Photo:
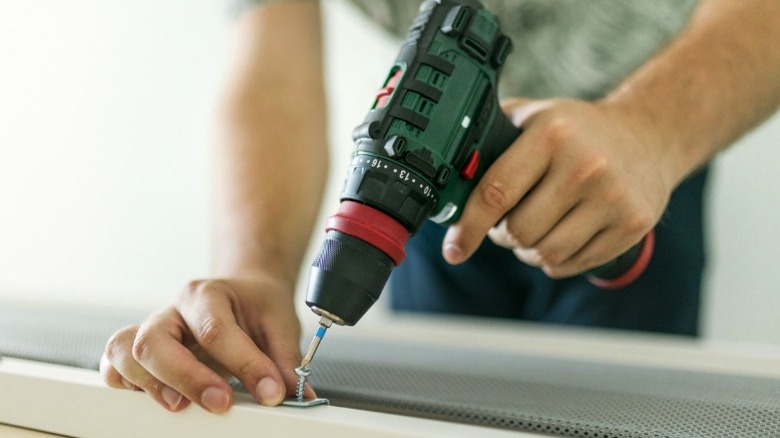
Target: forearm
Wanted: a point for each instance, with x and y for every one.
(716, 81)
(272, 158)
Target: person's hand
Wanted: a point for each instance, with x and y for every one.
(579, 187)
(244, 327)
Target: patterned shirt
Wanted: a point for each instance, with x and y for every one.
(562, 48)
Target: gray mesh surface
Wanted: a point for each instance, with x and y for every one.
(62, 335)
(553, 396)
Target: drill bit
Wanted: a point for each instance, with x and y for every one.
(303, 371)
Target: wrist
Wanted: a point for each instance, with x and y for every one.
(660, 140)
(256, 267)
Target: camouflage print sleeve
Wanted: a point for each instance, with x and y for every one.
(563, 48)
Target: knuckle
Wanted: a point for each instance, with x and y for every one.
(495, 194)
(213, 285)
(550, 257)
(203, 285)
(588, 264)
(190, 290)
(566, 270)
(518, 235)
(498, 237)
(117, 343)
(199, 288)
(141, 345)
(193, 285)
(639, 222)
(210, 331)
(558, 131)
(528, 256)
(593, 167)
(596, 166)
(109, 374)
(615, 196)
(112, 379)
(554, 272)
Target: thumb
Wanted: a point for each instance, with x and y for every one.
(283, 346)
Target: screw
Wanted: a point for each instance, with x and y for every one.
(302, 373)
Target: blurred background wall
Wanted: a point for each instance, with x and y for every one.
(107, 116)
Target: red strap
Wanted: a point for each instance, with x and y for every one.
(632, 273)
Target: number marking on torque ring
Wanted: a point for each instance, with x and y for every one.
(400, 173)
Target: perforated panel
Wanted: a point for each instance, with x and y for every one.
(640, 403)
(62, 335)
(556, 396)
(553, 396)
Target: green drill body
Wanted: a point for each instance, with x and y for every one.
(436, 122)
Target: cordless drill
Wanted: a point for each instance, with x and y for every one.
(434, 127)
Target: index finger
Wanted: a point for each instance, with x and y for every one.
(504, 184)
(212, 321)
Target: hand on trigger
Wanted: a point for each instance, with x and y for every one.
(579, 187)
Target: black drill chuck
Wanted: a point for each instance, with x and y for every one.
(347, 276)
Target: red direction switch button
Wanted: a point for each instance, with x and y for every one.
(384, 93)
(394, 80)
(382, 99)
(470, 168)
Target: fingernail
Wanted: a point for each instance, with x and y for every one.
(453, 253)
(269, 391)
(215, 399)
(171, 397)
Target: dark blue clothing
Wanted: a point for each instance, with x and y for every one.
(494, 283)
